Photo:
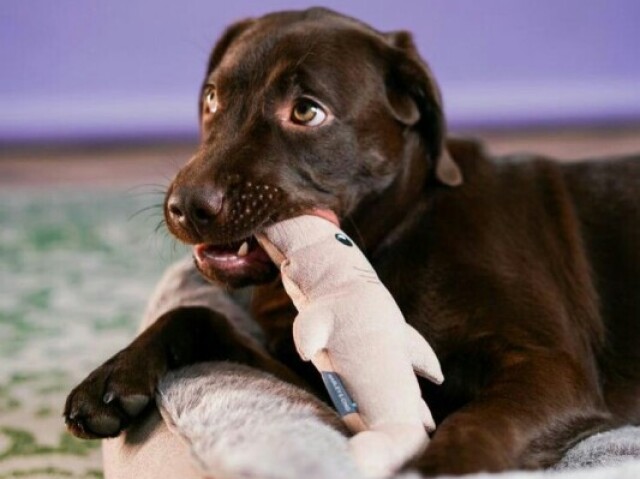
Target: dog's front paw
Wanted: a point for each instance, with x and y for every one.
(108, 400)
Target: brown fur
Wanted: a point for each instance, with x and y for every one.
(524, 279)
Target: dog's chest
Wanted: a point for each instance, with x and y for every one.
(274, 311)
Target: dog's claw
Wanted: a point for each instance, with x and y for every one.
(113, 395)
(108, 397)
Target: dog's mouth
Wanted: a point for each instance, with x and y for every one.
(235, 255)
(235, 263)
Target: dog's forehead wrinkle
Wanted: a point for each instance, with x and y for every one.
(297, 43)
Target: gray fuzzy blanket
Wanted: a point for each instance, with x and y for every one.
(242, 423)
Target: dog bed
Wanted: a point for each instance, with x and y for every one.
(236, 422)
(234, 433)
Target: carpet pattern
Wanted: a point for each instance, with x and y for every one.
(76, 269)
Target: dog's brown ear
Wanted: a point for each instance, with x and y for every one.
(415, 100)
(228, 36)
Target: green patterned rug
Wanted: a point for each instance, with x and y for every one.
(75, 271)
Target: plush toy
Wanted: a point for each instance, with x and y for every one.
(351, 328)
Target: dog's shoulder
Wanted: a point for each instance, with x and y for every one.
(607, 188)
(481, 169)
(602, 173)
(473, 158)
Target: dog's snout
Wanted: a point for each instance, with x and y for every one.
(196, 207)
(229, 210)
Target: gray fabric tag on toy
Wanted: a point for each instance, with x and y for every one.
(338, 394)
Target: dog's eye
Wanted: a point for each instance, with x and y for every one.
(210, 100)
(308, 113)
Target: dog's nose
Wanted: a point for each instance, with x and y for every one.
(197, 207)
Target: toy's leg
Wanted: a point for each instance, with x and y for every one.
(382, 450)
(427, 418)
(423, 359)
(311, 330)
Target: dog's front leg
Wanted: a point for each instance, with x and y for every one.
(536, 406)
(118, 391)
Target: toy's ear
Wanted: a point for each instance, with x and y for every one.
(414, 99)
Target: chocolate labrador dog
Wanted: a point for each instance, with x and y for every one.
(524, 274)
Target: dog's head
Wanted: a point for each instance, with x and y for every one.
(304, 110)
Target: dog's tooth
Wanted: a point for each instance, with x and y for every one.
(244, 249)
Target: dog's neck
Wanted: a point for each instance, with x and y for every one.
(376, 222)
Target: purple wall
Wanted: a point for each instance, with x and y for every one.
(131, 68)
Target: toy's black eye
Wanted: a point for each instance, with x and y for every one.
(344, 239)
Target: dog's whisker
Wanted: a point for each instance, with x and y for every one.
(156, 187)
(175, 163)
(146, 208)
(146, 193)
(160, 224)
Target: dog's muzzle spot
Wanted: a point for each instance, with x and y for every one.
(250, 205)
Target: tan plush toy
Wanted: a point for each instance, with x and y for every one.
(351, 328)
